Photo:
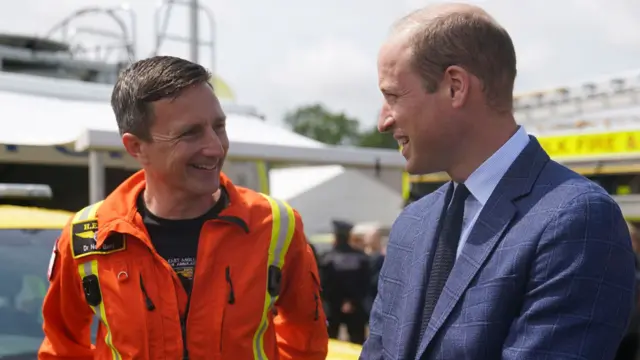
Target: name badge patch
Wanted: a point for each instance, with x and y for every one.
(83, 240)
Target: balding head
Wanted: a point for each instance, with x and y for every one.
(464, 35)
(419, 18)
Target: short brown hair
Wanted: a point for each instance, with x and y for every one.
(147, 81)
(470, 39)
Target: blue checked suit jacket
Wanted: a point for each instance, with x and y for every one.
(546, 273)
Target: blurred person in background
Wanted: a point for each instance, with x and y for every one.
(345, 274)
(356, 240)
(375, 249)
(373, 241)
(628, 349)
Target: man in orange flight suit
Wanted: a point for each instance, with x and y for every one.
(178, 262)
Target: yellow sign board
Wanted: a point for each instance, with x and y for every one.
(574, 147)
(586, 145)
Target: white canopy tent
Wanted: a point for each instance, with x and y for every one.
(46, 119)
(334, 192)
(41, 111)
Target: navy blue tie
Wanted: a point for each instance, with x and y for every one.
(445, 253)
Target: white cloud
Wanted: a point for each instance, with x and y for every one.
(330, 66)
(534, 57)
(282, 53)
(334, 71)
(616, 19)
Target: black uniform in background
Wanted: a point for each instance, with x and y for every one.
(375, 261)
(345, 275)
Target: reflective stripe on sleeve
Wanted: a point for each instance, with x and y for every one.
(282, 227)
(91, 268)
(88, 213)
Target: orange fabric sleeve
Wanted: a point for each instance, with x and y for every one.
(301, 326)
(67, 317)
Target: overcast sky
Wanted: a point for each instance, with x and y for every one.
(280, 54)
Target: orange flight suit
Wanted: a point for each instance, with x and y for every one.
(114, 274)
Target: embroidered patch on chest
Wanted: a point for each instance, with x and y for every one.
(83, 240)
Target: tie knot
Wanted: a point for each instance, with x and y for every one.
(460, 194)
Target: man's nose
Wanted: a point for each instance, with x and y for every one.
(385, 121)
(213, 146)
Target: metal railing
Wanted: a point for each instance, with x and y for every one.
(588, 104)
(122, 49)
(162, 34)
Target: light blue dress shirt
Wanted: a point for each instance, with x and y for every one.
(483, 181)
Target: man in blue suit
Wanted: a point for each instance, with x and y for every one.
(518, 257)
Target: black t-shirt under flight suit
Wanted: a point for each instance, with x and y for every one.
(177, 240)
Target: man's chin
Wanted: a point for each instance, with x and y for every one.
(204, 187)
(418, 169)
(412, 168)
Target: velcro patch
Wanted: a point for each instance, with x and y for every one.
(52, 260)
(83, 240)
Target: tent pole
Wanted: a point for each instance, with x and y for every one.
(194, 42)
(96, 176)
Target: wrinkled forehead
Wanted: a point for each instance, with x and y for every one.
(195, 105)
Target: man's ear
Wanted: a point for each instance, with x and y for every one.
(135, 147)
(457, 80)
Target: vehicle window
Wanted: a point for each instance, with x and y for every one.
(24, 260)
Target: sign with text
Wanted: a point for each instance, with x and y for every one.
(588, 145)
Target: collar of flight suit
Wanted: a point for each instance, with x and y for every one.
(119, 211)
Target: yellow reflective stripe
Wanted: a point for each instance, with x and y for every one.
(263, 177)
(406, 185)
(87, 213)
(91, 268)
(282, 228)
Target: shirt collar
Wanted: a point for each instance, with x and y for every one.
(484, 179)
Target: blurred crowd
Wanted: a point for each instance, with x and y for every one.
(349, 276)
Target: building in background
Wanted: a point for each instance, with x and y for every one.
(59, 127)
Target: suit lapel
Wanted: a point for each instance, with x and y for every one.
(493, 221)
(420, 260)
(424, 238)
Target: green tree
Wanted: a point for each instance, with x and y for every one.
(317, 122)
(374, 138)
